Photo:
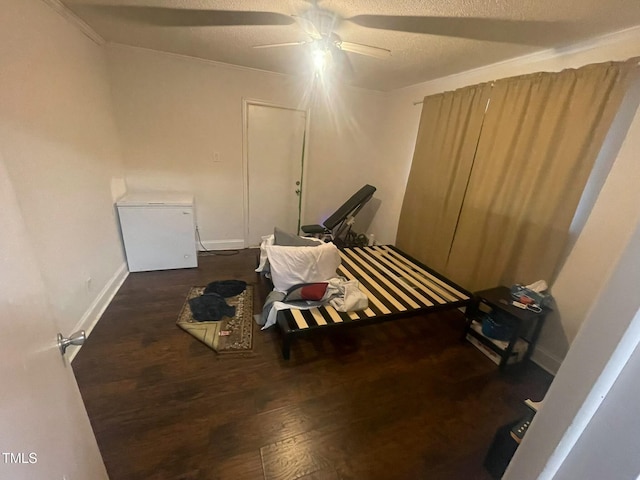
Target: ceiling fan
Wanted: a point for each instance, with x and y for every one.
(319, 25)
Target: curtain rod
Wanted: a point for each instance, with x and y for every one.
(492, 83)
(422, 101)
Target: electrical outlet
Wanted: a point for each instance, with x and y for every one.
(216, 157)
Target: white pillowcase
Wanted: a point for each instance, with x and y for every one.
(293, 265)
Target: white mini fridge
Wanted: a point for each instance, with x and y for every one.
(158, 231)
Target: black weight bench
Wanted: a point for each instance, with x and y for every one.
(338, 225)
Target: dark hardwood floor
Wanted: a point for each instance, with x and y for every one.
(399, 400)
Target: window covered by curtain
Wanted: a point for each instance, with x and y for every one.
(539, 139)
(447, 138)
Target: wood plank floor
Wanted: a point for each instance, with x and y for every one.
(399, 400)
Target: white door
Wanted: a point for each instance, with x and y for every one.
(275, 145)
(44, 429)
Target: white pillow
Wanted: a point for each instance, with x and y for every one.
(293, 265)
(263, 266)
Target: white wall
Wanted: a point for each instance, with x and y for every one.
(174, 112)
(60, 147)
(613, 217)
(608, 447)
(345, 154)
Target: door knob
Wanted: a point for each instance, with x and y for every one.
(76, 338)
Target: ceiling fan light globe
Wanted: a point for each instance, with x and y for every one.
(320, 59)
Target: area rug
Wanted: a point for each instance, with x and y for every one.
(231, 335)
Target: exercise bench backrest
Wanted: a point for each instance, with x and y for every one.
(359, 198)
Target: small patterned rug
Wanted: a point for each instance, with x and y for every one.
(229, 335)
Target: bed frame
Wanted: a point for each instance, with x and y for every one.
(395, 284)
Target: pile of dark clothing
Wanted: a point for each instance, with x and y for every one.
(211, 306)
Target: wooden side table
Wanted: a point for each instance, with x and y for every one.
(526, 324)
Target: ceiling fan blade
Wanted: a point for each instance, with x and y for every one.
(185, 17)
(308, 27)
(286, 44)
(526, 32)
(343, 61)
(361, 49)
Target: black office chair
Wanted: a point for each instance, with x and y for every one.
(338, 226)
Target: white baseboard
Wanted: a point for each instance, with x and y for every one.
(545, 360)
(234, 244)
(99, 305)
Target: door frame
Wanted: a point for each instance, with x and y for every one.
(246, 102)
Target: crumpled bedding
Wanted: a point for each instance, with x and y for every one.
(345, 295)
(342, 294)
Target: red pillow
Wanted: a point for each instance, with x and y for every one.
(306, 291)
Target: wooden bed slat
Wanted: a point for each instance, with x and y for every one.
(317, 316)
(372, 298)
(297, 316)
(333, 314)
(391, 274)
(375, 285)
(385, 280)
(434, 291)
(429, 275)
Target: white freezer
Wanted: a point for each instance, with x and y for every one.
(158, 231)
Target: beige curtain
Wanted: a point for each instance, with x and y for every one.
(540, 137)
(447, 138)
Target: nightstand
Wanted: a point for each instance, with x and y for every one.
(525, 324)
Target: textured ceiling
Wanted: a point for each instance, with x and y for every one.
(438, 38)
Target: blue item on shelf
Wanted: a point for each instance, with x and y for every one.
(493, 327)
